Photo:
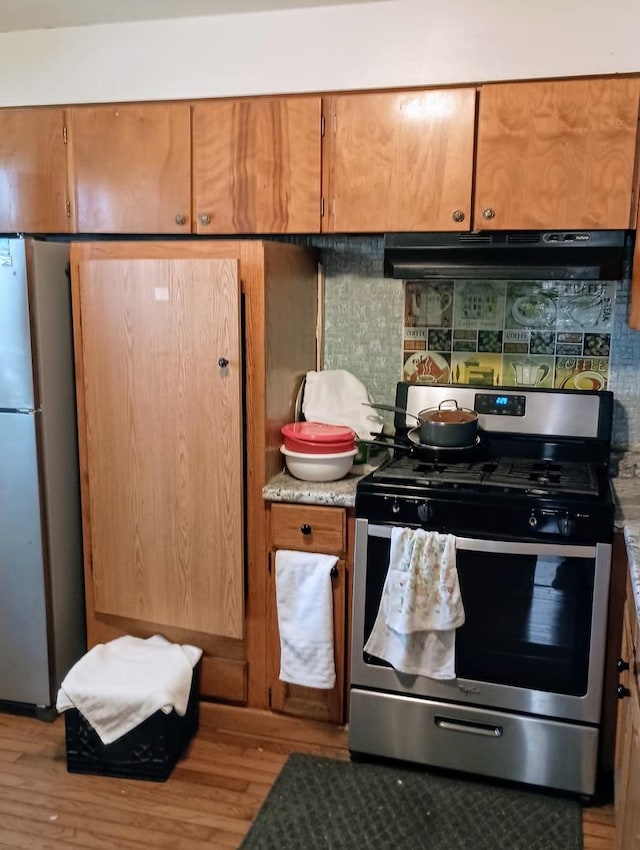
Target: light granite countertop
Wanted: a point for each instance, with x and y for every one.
(283, 487)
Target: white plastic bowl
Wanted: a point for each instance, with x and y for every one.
(314, 467)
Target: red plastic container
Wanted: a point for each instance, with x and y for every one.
(318, 438)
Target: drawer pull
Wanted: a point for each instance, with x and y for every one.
(623, 692)
(622, 665)
(305, 529)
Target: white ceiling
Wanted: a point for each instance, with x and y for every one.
(16, 15)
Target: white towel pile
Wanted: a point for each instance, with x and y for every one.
(117, 685)
(336, 397)
(421, 605)
(305, 618)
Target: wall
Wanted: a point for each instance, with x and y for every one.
(366, 45)
(363, 330)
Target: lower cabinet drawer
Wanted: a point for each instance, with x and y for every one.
(308, 528)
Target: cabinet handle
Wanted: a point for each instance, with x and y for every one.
(205, 218)
(622, 665)
(457, 215)
(623, 692)
(181, 219)
(223, 362)
(305, 529)
(334, 572)
(488, 213)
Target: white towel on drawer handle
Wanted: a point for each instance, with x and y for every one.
(421, 605)
(304, 601)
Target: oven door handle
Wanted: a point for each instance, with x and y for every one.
(506, 547)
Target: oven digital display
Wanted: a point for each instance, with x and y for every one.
(500, 405)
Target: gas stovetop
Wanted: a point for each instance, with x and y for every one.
(537, 477)
(541, 472)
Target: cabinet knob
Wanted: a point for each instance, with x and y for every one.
(334, 572)
(223, 362)
(305, 529)
(181, 219)
(488, 213)
(457, 215)
(205, 218)
(622, 665)
(623, 692)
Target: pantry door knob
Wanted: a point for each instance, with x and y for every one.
(205, 218)
(623, 692)
(622, 665)
(223, 362)
(457, 215)
(488, 213)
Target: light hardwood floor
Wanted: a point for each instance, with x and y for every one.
(208, 802)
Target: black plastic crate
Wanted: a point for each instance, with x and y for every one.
(150, 751)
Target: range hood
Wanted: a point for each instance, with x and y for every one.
(515, 255)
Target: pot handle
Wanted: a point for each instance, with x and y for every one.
(447, 401)
(392, 409)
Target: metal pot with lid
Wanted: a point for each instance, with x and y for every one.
(448, 426)
(442, 426)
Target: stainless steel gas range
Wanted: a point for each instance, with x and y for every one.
(531, 509)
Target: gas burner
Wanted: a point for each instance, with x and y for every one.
(543, 477)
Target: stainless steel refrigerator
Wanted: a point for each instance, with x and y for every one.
(42, 631)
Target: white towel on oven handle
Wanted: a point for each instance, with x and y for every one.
(422, 586)
(304, 601)
(426, 652)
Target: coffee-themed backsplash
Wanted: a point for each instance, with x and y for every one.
(502, 334)
(508, 333)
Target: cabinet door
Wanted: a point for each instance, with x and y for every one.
(311, 703)
(400, 161)
(131, 167)
(630, 832)
(256, 165)
(33, 171)
(623, 728)
(556, 154)
(164, 449)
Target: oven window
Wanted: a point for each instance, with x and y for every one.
(528, 621)
(528, 617)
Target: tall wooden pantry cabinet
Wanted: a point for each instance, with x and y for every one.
(189, 355)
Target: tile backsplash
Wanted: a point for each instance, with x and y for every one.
(371, 329)
(505, 333)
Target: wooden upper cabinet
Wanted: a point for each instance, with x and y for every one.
(256, 165)
(33, 171)
(131, 165)
(400, 161)
(556, 154)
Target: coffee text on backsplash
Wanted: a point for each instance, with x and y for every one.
(508, 333)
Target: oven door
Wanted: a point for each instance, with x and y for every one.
(534, 634)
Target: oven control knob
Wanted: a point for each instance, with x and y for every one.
(533, 521)
(566, 526)
(425, 511)
(395, 508)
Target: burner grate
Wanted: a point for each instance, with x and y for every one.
(545, 476)
(517, 474)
